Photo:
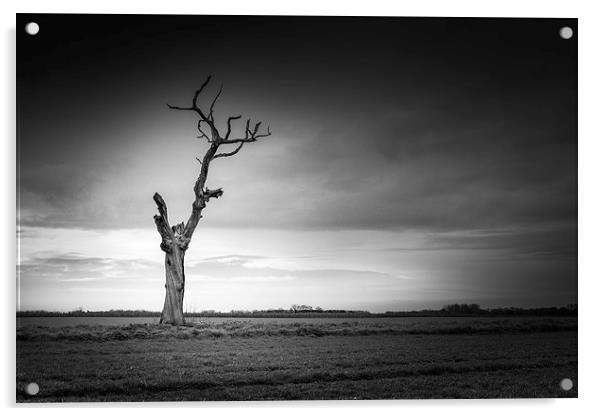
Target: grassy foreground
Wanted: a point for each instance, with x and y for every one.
(242, 360)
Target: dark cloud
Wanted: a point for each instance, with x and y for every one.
(447, 126)
(555, 244)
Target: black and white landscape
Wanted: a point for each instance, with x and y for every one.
(270, 208)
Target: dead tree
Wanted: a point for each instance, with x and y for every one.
(175, 239)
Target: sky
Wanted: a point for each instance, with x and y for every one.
(413, 162)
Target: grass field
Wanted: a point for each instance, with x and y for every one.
(272, 360)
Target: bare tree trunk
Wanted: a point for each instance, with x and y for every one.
(174, 243)
(173, 308)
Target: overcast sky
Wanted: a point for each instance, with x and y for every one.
(413, 162)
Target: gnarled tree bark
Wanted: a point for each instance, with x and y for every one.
(175, 239)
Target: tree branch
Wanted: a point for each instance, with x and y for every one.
(203, 134)
(232, 153)
(250, 135)
(230, 119)
(197, 93)
(161, 207)
(212, 193)
(201, 193)
(214, 100)
(204, 118)
(162, 223)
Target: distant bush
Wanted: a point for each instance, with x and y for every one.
(464, 308)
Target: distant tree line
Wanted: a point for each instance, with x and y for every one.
(84, 313)
(474, 309)
(304, 311)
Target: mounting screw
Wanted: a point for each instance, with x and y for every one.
(566, 32)
(32, 389)
(566, 384)
(32, 28)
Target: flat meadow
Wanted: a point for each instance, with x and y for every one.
(135, 359)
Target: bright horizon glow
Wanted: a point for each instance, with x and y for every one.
(226, 269)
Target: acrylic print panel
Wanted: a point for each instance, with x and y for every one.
(273, 208)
